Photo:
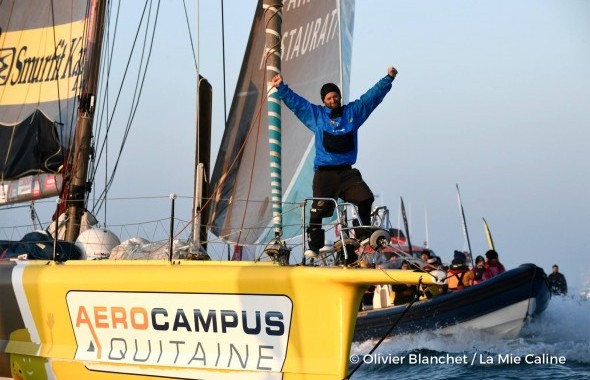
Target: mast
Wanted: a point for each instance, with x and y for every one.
(78, 187)
(273, 21)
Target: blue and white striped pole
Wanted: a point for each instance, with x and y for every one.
(273, 20)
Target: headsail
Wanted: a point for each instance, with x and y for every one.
(41, 68)
(316, 48)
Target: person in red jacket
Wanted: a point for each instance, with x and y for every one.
(493, 266)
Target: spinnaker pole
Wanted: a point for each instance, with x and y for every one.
(273, 21)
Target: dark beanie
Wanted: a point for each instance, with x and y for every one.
(491, 254)
(327, 88)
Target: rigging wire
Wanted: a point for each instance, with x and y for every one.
(416, 297)
(100, 202)
(34, 216)
(136, 96)
(62, 140)
(68, 135)
(105, 88)
(223, 65)
(101, 199)
(55, 46)
(138, 90)
(104, 111)
(198, 50)
(136, 93)
(269, 52)
(190, 36)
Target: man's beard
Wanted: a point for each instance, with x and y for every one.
(337, 112)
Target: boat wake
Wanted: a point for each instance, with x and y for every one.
(562, 329)
(555, 344)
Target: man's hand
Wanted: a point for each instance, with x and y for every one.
(276, 80)
(392, 72)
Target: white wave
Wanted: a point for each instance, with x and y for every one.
(561, 331)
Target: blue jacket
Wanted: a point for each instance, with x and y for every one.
(336, 141)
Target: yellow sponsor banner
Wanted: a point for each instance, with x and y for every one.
(41, 65)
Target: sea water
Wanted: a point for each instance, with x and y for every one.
(555, 345)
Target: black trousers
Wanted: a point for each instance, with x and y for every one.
(336, 182)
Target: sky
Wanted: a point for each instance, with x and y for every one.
(491, 96)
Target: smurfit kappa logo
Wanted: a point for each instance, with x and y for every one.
(6, 59)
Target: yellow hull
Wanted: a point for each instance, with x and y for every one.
(185, 319)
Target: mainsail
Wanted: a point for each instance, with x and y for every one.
(316, 48)
(42, 54)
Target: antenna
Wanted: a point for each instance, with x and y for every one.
(426, 226)
(464, 224)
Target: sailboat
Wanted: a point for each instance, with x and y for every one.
(174, 318)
